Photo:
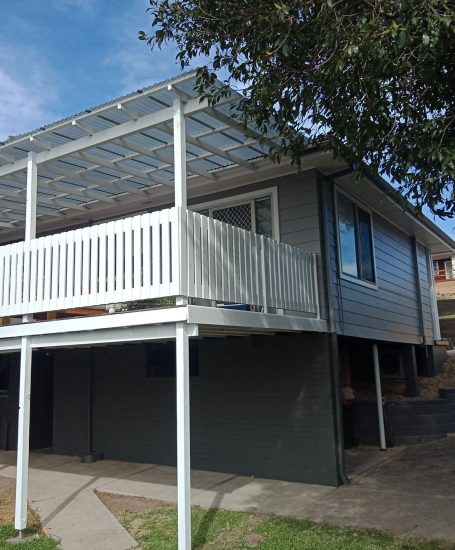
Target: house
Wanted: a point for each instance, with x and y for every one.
(154, 262)
(444, 274)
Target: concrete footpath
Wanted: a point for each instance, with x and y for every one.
(409, 491)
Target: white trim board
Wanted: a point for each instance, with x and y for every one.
(122, 335)
(203, 315)
(97, 322)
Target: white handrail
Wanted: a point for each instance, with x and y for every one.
(138, 258)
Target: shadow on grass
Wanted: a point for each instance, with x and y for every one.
(201, 536)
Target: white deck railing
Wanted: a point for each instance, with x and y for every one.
(140, 258)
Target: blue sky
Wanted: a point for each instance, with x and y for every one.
(59, 57)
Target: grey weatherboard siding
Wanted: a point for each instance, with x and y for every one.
(392, 312)
(260, 406)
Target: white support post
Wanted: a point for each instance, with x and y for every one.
(32, 187)
(377, 378)
(180, 193)
(183, 436)
(20, 521)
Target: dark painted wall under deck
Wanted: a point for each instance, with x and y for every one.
(260, 406)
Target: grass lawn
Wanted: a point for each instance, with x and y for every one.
(7, 531)
(154, 525)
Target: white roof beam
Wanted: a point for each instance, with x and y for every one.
(16, 206)
(129, 111)
(114, 165)
(101, 137)
(83, 127)
(143, 151)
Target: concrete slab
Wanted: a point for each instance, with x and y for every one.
(409, 491)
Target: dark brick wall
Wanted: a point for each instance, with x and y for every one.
(9, 404)
(406, 422)
(71, 401)
(260, 406)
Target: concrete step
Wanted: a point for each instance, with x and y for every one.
(424, 430)
(422, 419)
(415, 439)
(412, 408)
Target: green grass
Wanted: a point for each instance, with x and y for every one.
(222, 530)
(40, 543)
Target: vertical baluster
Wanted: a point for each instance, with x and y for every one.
(119, 260)
(165, 253)
(205, 257)
(63, 267)
(55, 268)
(47, 279)
(110, 259)
(19, 277)
(156, 254)
(145, 226)
(69, 299)
(137, 258)
(190, 252)
(94, 265)
(128, 260)
(197, 256)
(103, 298)
(12, 285)
(77, 268)
(85, 299)
(211, 243)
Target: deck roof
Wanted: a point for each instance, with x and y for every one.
(122, 148)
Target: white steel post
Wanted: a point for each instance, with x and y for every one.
(30, 208)
(180, 194)
(23, 432)
(377, 378)
(183, 436)
(20, 521)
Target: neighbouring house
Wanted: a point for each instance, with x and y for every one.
(444, 275)
(163, 281)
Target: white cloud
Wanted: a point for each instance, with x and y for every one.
(27, 91)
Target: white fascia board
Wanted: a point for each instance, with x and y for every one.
(267, 321)
(96, 322)
(127, 128)
(124, 335)
(10, 345)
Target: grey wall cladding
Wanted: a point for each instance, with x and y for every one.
(260, 406)
(392, 311)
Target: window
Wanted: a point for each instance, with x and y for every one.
(251, 215)
(355, 240)
(4, 375)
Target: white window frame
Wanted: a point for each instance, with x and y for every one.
(243, 198)
(357, 280)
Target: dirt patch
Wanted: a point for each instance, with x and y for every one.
(7, 499)
(429, 387)
(7, 504)
(120, 505)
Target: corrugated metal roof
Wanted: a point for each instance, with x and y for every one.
(129, 164)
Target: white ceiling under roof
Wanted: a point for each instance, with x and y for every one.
(130, 163)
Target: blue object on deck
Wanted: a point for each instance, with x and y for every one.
(231, 305)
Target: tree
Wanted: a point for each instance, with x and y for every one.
(376, 78)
